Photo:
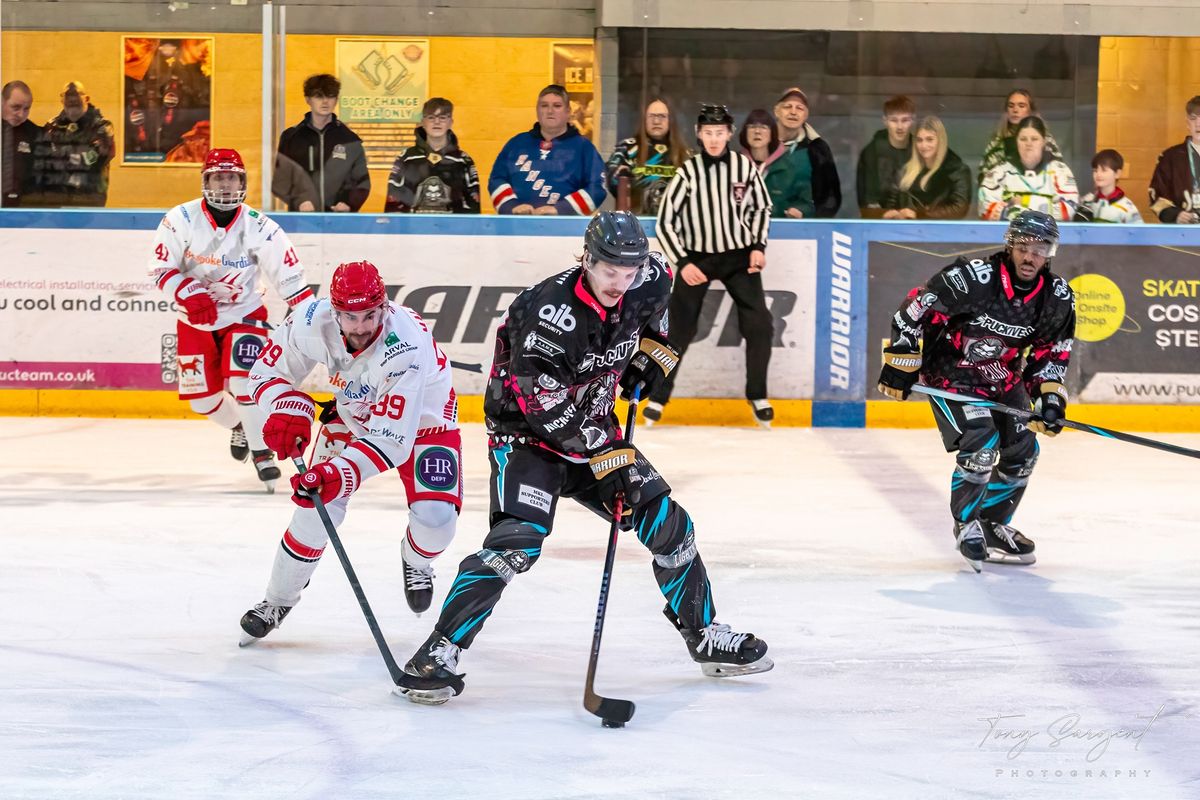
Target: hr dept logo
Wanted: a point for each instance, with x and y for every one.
(246, 350)
(437, 469)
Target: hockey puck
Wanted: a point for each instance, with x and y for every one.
(612, 723)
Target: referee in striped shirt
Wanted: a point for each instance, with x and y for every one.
(712, 226)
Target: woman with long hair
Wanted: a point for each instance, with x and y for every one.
(648, 160)
(1003, 145)
(1035, 179)
(934, 183)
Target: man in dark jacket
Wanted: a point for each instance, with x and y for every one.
(809, 157)
(328, 151)
(70, 159)
(434, 175)
(19, 136)
(884, 156)
(1175, 187)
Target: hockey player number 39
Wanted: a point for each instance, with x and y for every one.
(390, 406)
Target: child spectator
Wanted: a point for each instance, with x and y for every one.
(1108, 203)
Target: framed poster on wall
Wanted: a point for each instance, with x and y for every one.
(573, 66)
(384, 84)
(166, 109)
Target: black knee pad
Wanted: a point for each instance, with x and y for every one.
(511, 547)
(1018, 460)
(976, 467)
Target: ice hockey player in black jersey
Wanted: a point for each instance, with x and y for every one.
(975, 319)
(565, 348)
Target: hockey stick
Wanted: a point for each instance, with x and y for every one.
(613, 713)
(335, 540)
(1025, 416)
(465, 367)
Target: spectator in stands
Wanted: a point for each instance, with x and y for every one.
(934, 183)
(1175, 187)
(1107, 203)
(1003, 145)
(759, 138)
(647, 160)
(810, 160)
(434, 176)
(71, 157)
(551, 168)
(327, 150)
(17, 137)
(880, 162)
(1036, 179)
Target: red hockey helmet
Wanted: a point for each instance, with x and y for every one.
(356, 286)
(223, 159)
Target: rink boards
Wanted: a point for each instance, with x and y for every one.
(83, 331)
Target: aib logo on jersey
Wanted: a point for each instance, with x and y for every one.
(437, 469)
(560, 317)
(246, 349)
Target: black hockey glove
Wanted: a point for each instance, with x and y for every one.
(615, 467)
(1051, 408)
(901, 369)
(650, 366)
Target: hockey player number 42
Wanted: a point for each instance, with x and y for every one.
(390, 406)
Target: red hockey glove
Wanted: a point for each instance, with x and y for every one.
(331, 480)
(289, 427)
(196, 302)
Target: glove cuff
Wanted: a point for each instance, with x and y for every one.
(612, 460)
(902, 362)
(660, 353)
(189, 289)
(1053, 387)
(295, 403)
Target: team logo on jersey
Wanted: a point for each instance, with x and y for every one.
(436, 469)
(246, 349)
(984, 355)
(739, 192)
(538, 346)
(559, 317)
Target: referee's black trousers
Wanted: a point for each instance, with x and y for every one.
(754, 320)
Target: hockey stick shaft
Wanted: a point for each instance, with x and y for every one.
(601, 706)
(1025, 416)
(335, 540)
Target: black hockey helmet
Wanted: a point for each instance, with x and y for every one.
(617, 238)
(711, 114)
(1033, 226)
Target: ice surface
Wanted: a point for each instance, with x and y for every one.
(131, 548)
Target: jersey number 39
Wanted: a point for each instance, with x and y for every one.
(390, 406)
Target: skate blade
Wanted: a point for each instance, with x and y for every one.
(998, 556)
(247, 640)
(712, 670)
(975, 565)
(425, 697)
(269, 486)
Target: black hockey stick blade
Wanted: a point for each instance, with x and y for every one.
(613, 713)
(389, 661)
(465, 367)
(1025, 416)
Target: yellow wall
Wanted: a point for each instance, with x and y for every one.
(1145, 82)
(493, 83)
(48, 60)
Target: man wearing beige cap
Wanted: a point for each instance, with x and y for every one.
(814, 187)
(71, 159)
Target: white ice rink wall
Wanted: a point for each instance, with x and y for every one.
(78, 311)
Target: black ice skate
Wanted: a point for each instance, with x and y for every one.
(261, 620)
(720, 652)
(763, 412)
(268, 473)
(652, 413)
(429, 676)
(969, 536)
(1007, 545)
(418, 587)
(239, 448)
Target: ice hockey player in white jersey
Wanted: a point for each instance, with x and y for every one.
(209, 255)
(395, 410)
